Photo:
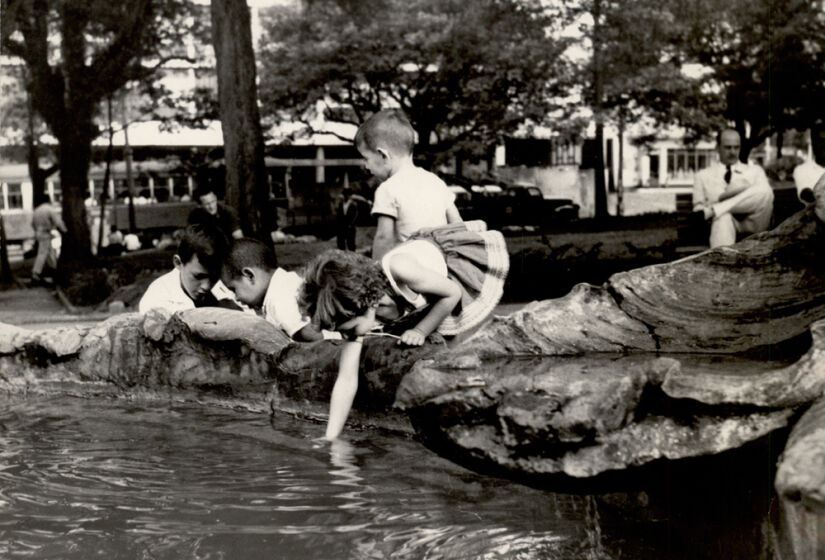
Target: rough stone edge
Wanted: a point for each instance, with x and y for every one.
(799, 383)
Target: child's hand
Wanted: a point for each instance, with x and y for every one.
(413, 337)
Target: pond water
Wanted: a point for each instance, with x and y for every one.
(154, 480)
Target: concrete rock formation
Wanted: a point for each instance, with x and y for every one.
(212, 355)
(671, 361)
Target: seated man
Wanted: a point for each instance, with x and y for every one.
(733, 196)
(215, 213)
(805, 175)
(251, 271)
(194, 280)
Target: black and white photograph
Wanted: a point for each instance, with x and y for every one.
(412, 279)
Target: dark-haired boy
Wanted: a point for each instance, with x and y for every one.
(252, 273)
(194, 280)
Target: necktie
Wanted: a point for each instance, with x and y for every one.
(727, 174)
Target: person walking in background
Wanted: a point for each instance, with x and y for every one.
(409, 198)
(215, 213)
(45, 219)
(805, 175)
(347, 220)
(733, 196)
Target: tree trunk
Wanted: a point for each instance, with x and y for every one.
(104, 195)
(246, 185)
(600, 198)
(620, 181)
(75, 155)
(73, 125)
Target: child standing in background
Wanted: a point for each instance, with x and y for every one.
(409, 198)
(446, 279)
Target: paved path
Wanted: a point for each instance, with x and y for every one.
(38, 308)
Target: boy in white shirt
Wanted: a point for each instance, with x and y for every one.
(252, 273)
(409, 198)
(194, 280)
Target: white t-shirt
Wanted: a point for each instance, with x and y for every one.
(280, 305)
(416, 199)
(167, 293)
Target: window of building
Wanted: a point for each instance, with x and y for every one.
(653, 177)
(534, 152)
(11, 196)
(55, 192)
(683, 163)
(180, 188)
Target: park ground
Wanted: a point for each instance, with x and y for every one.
(542, 265)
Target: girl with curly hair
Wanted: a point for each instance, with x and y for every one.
(446, 279)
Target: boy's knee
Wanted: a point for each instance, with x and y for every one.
(726, 220)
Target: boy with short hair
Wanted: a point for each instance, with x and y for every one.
(194, 280)
(252, 273)
(409, 198)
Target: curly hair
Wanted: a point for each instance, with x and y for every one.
(339, 285)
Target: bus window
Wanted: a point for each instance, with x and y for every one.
(15, 196)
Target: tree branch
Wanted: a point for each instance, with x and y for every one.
(106, 71)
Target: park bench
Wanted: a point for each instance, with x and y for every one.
(693, 233)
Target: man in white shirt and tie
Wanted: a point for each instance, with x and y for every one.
(732, 195)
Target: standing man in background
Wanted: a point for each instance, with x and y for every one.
(733, 196)
(45, 218)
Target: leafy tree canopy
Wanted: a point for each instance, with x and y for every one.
(765, 60)
(466, 73)
(77, 53)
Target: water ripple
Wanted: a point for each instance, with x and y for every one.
(83, 478)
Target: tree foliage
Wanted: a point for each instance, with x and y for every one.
(77, 53)
(765, 58)
(466, 73)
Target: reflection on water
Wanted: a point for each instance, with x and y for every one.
(86, 479)
(83, 479)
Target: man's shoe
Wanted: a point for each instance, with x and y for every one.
(40, 281)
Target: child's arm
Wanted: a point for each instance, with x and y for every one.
(407, 270)
(384, 236)
(346, 385)
(307, 333)
(453, 214)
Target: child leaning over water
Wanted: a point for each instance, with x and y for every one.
(409, 198)
(252, 273)
(453, 276)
